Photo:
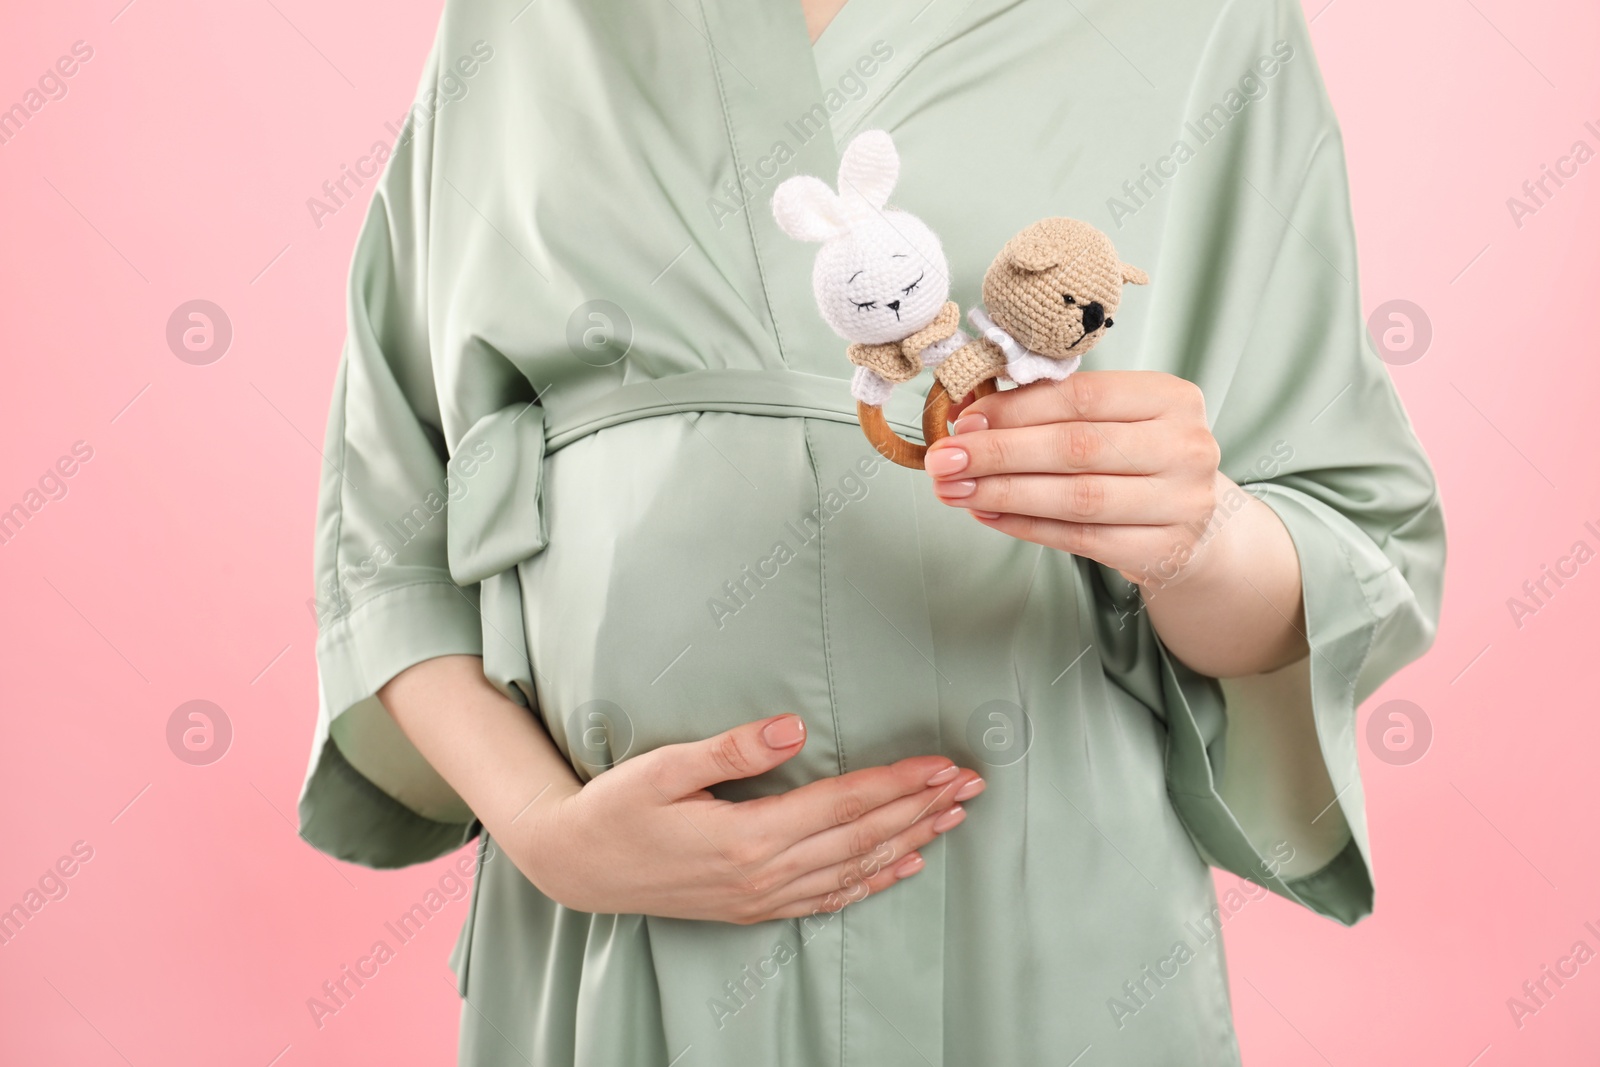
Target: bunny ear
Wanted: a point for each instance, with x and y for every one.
(869, 169)
(806, 209)
(1133, 274)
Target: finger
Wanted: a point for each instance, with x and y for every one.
(1094, 396)
(1062, 448)
(1147, 551)
(810, 809)
(837, 900)
(844, 873)
(742, 752)
(1100, 498)
(876, 827)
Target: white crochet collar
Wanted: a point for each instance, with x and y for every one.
(1022, 364)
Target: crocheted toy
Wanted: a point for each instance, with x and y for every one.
(1050, 295)
(881, 281)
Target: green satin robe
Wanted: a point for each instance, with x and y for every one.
(656, 518)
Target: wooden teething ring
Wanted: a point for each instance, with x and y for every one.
(935, 425)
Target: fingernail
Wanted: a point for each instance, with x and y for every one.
(956, 490)
(908, 866)
(950, 819)
(786, 732)
(990, 515)
(975, 421)
(946, 775)
(943, 461)
(970, 790)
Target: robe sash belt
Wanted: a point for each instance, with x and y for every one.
(498, 521)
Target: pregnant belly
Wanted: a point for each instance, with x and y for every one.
(707, 569)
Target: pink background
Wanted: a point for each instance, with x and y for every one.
(177, 565)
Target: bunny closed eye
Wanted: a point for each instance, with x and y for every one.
(887, 281)
(893, 304)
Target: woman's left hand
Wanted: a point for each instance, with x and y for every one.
(1117, 466)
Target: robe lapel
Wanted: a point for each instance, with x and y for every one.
(769, 86)
(790, 108)
(871, 44)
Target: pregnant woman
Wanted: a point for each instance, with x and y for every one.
(776, 753)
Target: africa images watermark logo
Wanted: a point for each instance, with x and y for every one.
(1539, 591)
(1538, 192)
(1536, 992)
(754, 177)
(451, 887)
(50, 87)
(740, 591)
(50, 887)
(741, 991)
(51, 485)
(1198, 935)
(1140, 190)
(454, 84)
(336, 590)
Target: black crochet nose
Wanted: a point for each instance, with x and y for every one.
(894, 306)
(1093, 315)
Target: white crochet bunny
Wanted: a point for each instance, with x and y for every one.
(881, 280)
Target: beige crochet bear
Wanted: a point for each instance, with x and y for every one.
(1050, 295)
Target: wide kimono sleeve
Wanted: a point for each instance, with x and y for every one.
(385, 599)
(1256, 292)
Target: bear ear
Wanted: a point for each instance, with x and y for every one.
(1033, 252)
(869, 169)
(1133, 274)
(807, 210)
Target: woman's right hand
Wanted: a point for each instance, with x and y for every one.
(647, 836)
